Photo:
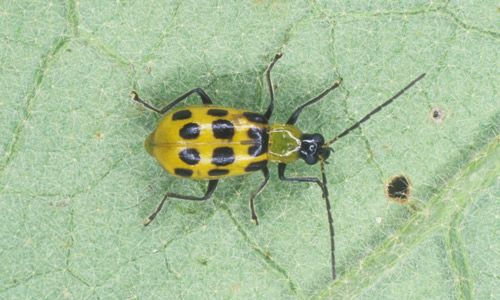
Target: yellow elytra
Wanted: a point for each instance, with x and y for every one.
(212, 142)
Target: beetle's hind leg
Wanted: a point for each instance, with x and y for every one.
(212, 184)
(204, 98)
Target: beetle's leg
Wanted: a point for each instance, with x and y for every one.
(212, 184)
(265, 172)
(295, 115)
(270, 108)
(324, 189)
(204, 98)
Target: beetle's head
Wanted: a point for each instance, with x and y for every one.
(313, 148)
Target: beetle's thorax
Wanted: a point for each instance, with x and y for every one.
(284, 143)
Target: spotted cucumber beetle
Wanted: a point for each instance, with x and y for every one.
(211, 142)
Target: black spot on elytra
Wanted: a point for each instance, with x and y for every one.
(190, 156)
(183, 172)
(181, 115)
(223, 156)
(190, 131)
(254, 117)
(255, 150)
(217, 112)
(399, 188)
(218, 172)
(254, 133)
(260, 139)
(223, 129)
(255, 166)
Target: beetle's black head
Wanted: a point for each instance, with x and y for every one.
(312, 148)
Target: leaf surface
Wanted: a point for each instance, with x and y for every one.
(76, 182)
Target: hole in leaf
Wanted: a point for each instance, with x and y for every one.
(398, 189)
(437, 115)
(99, 136)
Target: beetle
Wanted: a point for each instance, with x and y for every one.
(209, 142)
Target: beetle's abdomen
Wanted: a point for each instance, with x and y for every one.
(210, 142)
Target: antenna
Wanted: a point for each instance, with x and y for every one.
(376, 110)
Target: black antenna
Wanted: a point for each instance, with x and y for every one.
(376, 110)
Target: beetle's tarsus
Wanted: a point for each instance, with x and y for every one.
(148, 221)
(153, 215)
(134, 95)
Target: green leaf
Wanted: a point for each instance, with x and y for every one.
(76, 182)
